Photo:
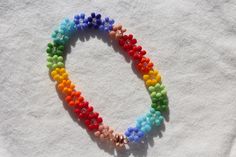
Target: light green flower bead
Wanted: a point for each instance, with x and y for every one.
(55, 61)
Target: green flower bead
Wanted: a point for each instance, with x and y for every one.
(55, 61)
(55, 49)
(160, 105)
(158, 95)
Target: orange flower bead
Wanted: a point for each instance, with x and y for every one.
(74, 98)
(66, 87)
(59, 74)
(144, 65)
(152, 78)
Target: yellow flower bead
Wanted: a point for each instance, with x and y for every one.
(59, 74)
(152, 78)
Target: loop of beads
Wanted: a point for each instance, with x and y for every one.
(82, 109)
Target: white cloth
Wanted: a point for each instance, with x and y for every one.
(192, 44)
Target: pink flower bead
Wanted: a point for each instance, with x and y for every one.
(104, 132)
(117, 32)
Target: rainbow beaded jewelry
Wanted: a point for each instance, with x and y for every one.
(82, 109)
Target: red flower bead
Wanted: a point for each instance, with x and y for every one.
(127, 42)
(93, 121)
(144, 65)
(137, 53)
(74, 98)
(83, 110)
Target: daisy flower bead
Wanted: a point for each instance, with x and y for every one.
(137, 53)
(158, 91)
(55, 49)
(159, 98)
(93, 121)
(144, 65)
(104, 132)
(117, 32)
(119, 140)
(68, 27)
(59, 37)
(134, 134)
(66, 87)
(107, 24)
(161, 104)
(152, 78)
(80, 21)
(94, 21)
(59, 74)
(143, 124)
(155, 117)
(82, 110)
(55, 62)
(127, 42)
(74, 98)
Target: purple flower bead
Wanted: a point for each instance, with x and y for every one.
(107, 24)
(80, 21)
(94, 21)
(134, 134)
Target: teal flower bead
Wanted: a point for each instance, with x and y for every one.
(155, 117)
(59, 37)
(68, 27)
(143, 124)
(159, 98)
(55, 61)
(55, 49)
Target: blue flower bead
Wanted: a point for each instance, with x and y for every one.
(143, 124)
(107, 24)
(154, 117)
(134, 134)
(68, 27)
(80, 21)
(59, 36)
(94, 21)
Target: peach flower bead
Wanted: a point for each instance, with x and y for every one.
(117, 31)
(104, 132)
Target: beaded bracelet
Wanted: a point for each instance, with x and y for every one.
(82, 109)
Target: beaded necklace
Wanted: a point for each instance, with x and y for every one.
(82, 109)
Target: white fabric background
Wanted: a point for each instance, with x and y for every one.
(192, 43)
